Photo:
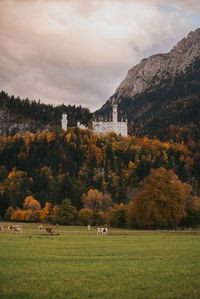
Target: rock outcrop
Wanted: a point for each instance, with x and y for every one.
(150, 72)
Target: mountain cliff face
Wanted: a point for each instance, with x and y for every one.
(150, 72)
(162, 90)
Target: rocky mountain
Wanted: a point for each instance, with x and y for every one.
(160, 96)
(162, 90)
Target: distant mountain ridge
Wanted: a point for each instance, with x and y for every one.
(162, 90)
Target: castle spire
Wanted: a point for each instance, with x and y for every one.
(114, 113)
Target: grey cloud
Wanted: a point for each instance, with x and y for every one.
(190, 6)
(77, 52)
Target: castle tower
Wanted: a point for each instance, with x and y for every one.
(64, 121)
(114, 113)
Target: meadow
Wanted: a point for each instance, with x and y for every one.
(76, 263)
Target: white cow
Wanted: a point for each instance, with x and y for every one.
(40, 227)
(89, 227)
(1, 227)
(102, 231)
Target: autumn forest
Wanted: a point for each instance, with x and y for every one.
(78, 177)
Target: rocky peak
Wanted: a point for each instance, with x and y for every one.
(151, 71)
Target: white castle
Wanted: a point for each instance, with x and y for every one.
(103, 126)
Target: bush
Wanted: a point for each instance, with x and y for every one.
(65, 213)
(116, 217)
(85, 217)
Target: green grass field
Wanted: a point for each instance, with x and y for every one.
(78, 264)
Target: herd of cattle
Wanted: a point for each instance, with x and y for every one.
(13, 228)
(49, 231)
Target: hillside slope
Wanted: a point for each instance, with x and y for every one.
(24, 116)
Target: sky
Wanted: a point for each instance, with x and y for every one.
(78, 51)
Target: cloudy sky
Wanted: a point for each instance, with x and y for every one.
(78, 51)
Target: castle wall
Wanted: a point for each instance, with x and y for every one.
(103, 127)
(107, 127)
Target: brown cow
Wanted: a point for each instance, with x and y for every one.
(49, 231)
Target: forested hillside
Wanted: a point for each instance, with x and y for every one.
(17, 115)
(54, 166)
(170, 111)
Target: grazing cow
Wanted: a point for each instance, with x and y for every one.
(102, 231)
(1, 227)
(40, 227)
(49, 231)
(15, 228)
(89, 227)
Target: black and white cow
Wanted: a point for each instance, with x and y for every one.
(102, 231)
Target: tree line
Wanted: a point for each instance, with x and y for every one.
(46, 114)
(66, 168)
(164, 202)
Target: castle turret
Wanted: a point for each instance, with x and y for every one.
(114, 113)
(64, 121)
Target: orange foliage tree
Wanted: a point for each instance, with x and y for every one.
(18, 215)
(96, 201)
(31, 203)
(30, 213)
(162, 202)
(46, 213)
